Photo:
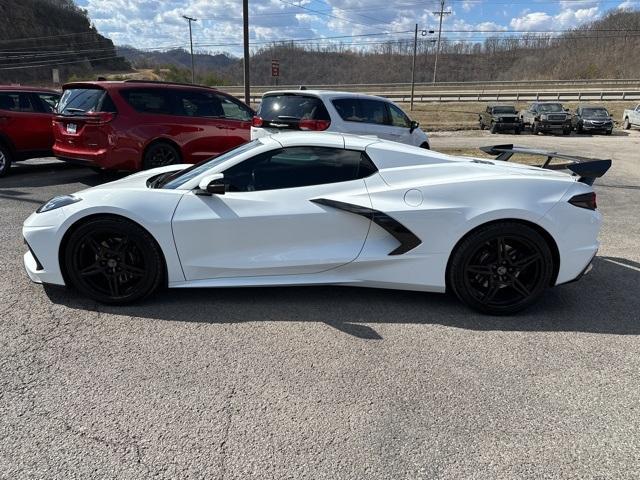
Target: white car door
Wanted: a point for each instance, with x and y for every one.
(266, 222)
(399, 129)
(361, 116)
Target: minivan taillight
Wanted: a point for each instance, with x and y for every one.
(256, 122)
(99, 118)
(316, 125)
(584, 200)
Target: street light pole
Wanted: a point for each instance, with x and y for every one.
(441, 13)
(193, 72)
(413, 68)
(245, 28)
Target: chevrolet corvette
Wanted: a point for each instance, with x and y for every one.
(328, 209)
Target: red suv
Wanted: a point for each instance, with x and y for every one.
(25, 124)
(135, 125)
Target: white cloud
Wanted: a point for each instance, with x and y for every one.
(567, 18)
(629, 5)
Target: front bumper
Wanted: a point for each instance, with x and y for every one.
(553, 126)
(31, 266)
(509, 125)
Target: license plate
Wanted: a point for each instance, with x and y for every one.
(72, 128)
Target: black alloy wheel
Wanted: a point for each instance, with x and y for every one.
(113, 260)
(160, 155)
(501, 269)
(5, 160)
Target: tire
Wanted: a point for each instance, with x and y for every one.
(5, 160)
(113, 260)
(517, 131)
(566, 131)
(626, 125)
(501, 268)
(535, 129)
(481, 126)
(160, 154)
(425, 145)
(579, 128)
(608, 132)
(493, 128)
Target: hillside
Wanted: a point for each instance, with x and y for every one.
(600, 49)
(38, 35)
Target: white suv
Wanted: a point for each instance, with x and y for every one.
(344, 112)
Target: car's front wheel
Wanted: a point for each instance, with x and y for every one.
(160, 154)
(626, 125)
(113, 260)
(501, 268)
(5, 160)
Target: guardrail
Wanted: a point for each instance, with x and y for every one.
(502, 96)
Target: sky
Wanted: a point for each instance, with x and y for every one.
(158, 24)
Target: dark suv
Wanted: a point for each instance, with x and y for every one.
(592, 118)
(498, 118)
(135, 125)
(546, 117)
(25, 124)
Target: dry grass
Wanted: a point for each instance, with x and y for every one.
(448, 116)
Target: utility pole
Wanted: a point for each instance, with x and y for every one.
(441, 13)
(245, 28)
(193, 72)
(413, 68)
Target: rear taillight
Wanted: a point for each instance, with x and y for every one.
(585, 200)
(99, 118)
(256, 122)
(316, 125)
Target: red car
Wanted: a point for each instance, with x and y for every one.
(25, 124)
(134, 125)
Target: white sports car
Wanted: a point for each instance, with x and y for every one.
(326, 208)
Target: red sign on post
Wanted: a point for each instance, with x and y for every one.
(275, 68)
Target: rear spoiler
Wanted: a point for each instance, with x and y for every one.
(588, 169)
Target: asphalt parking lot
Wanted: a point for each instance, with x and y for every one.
(335, 383)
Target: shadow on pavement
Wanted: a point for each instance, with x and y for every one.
(604, 301)
(54, 173)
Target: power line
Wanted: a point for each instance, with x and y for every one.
(59, 63)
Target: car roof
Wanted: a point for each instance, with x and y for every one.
(119, 84)
(324, 139)
(325, 94)
(21, 88)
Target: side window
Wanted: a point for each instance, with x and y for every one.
(398, 117)
(148, 100)
(234, 110)
(198, 104)
(48, 101)
(16, 102)
(362, 110)
(297, 167)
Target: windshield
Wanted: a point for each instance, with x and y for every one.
(292, 107)
(80, 100)
(180, 177)
(504, 110)
(550, 107)
(595, 112)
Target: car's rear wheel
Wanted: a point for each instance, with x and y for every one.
(159, 155)
(113, 260)
(5, 160)
(501, 268)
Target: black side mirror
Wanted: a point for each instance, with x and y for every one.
(413, 126)
(213, 185)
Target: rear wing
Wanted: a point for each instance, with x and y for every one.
(588, 169)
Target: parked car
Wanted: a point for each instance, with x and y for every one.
(498, 118)
(631, 118)
(546, 117)
(25, 124)
(135, 125)
(327, 209)
(592, 119)
(324, 110)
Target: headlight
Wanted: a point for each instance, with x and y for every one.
(543, 117)
(57, 202)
